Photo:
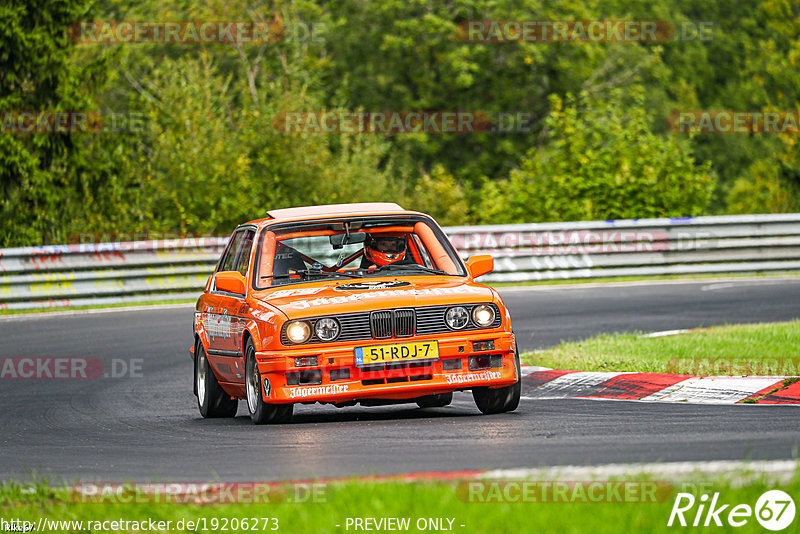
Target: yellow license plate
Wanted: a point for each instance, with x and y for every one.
(396, 352)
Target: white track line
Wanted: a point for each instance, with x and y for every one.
(665, 333)
(782, 470)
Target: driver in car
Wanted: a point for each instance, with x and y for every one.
(381, 250)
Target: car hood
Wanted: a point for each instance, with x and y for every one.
(356, 295)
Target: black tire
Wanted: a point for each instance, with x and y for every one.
(500, 400)
(212, 400)
(440, 400)
(260, 411)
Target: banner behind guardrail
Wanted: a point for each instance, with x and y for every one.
(63, 276)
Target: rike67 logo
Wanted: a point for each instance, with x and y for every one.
(774, 510)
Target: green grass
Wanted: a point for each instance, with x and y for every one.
(398, 499)
(753, 349)
(100, 306)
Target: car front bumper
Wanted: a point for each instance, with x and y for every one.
(336, 379)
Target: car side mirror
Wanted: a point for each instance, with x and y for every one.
(480, 265)
(230, 282)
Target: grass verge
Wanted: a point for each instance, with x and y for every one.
(574, 512)
(732, 350)
(99, 306)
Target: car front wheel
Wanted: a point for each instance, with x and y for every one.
(261, 412)
(499, 400)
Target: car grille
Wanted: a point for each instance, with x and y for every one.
(393, 323)
(401, 322)
(405, 321)
(382, 323)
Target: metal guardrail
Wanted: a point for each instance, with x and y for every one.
(65, 276)
(636, 247)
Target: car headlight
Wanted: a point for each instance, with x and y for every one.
(327, 329)
(457, 318)
(483, 315)
(298, 331)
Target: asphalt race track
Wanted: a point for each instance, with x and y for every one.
(146, 426)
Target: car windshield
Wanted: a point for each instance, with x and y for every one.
(290, 253)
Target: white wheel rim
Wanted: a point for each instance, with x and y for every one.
(201, 377)
(252, 388)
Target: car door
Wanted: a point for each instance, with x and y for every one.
(225, 318)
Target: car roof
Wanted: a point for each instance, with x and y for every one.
(331, 210)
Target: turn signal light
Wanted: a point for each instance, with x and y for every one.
(483, 345)
(305, 361)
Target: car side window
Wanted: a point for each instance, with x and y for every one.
(229, 260)
(243, 256)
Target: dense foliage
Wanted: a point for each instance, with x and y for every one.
(191, 139)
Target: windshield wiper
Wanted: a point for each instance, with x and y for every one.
(307, 274)
(405, 267)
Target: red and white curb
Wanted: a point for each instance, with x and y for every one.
(541, 383)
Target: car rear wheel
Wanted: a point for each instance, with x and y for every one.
(211, 398)
(440, 400)
(499, 400)
(261, 412)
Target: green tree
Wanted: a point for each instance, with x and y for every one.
(414, 55)
(209, 154)
(600, 162)
(39, 172)
(439, 195)
(214, 155)
(771, 80)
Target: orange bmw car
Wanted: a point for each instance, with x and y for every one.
(346, 304)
